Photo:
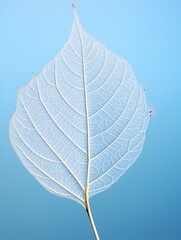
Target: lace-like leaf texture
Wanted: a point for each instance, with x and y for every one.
(81, 123)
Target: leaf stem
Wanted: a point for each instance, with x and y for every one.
(88, 210)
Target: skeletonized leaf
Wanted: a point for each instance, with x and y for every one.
(81, 123)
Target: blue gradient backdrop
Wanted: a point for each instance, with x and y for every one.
(145, 204)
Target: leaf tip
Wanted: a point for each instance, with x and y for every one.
(74, 9)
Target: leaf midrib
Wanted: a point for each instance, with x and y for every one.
(87, 115)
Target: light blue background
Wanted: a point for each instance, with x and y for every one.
(145, 204)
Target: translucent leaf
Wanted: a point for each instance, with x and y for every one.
(81, 123)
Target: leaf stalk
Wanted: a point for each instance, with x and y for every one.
(88, 210)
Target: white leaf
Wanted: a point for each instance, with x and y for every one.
(81, 123)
